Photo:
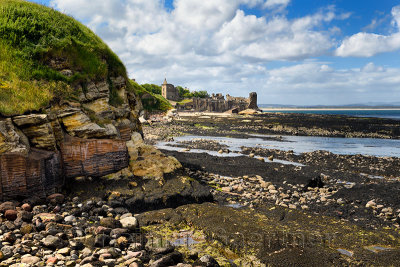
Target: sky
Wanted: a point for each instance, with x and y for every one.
(297, 52)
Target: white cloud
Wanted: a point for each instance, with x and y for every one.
(276, 3)
(216, 46)
(369, 44)
(314, 82)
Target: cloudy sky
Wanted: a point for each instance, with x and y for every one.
(301, 52)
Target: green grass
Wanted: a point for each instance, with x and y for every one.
(157, 102)
(184, 101)
(31, 37)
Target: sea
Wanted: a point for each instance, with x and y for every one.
(376, 113)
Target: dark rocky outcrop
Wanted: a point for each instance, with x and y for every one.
(37, 173)
(93, 157)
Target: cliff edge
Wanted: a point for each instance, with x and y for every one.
(67, 108)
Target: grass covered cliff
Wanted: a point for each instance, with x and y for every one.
(46, 55)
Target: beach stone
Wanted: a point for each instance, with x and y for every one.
(52, 260)
(110, 222)
(64, 251)
(29, 259)
(26, 229)
(26, 207)
(370, 204)
(56, 198)
(69, 219)
(52, 241)
(208, 260)
(11, 215)
(7, 206)
(129, 223)
(9, 237)
(271, 187)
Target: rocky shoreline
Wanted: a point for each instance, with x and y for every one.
(213, 210)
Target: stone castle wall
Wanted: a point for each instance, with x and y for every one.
(217, 103)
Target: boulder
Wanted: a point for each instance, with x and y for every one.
(153, 163)
(129, 223)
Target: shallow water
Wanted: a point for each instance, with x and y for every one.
(301, 144)
(235, 149)
(185, 241)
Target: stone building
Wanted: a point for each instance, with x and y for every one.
(169, 91)
(218, 103)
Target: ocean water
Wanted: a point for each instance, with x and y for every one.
(386, 114)
(299, 144)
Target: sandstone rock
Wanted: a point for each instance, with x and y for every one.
(41, 136)
(97, 90)
(101, 108)
(29, 120)
(271, 187)
(78, 124)
(153, 163)
(93, 157)
(35, 174)
(11, 139)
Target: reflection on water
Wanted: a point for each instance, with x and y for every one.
(301, 144)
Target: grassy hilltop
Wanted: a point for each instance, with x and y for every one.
(36, 44)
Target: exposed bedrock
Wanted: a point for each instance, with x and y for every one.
(38, 151)
(37, 173)
(93, 157)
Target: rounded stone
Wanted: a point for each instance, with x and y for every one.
(11, 215)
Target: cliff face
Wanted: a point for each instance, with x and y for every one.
(70, 139)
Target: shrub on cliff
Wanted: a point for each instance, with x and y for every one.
(153, 101)
(46, 55)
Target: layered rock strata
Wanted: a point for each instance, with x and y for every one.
(69, 139)
(93, 157)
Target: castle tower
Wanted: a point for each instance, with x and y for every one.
(169, 91)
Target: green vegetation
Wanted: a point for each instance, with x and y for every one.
(151, 101)
(186, 93)
(153, 88)
(36, 44)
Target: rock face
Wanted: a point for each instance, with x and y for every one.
(88, 137)
(93, 157)
(37, 173)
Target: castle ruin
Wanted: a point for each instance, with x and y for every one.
(169, 91)
(218, 103)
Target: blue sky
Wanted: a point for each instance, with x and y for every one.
(288, 51)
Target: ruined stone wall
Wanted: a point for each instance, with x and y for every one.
(170, 92)
(216, 103)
